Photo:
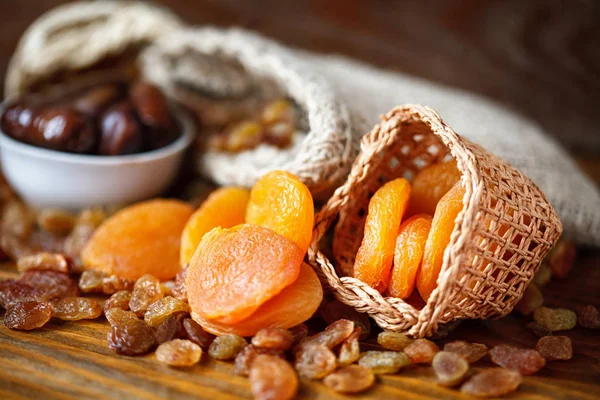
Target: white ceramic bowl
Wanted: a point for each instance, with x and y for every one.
(48, 178)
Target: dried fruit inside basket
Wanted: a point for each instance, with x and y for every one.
(430, 185)
(376, 252)
(140, 239)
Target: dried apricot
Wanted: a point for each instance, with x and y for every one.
(272, 378)
(442, 226)
(350, 379)
(450, 368)
(555, 347)
(384, 362)
(492, 382)
(235, 271)
(281, 202)
(179, 353)
(408, 254)
(140, 239)
(225, 207)
(421, 351)
(294, 305)
(526, 361)
(376, 252)
(430, 185)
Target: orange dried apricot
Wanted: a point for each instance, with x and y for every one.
(281, 202)
(410, 246)
(234, 271)
(441, 228)
(294, 305)
(430, 185)
(140, 239)
(225, 207)
(376, 252)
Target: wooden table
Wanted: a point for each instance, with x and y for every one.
(540, 57)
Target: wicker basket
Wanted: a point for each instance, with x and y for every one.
(500, 237)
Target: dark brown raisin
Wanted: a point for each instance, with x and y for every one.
(588, 317)
(333, 335)
(539, 330)
(130, 337)
(76, 308)
(196, 334)
(13, 291)
(52, 284)
(171, 328)
(27, 315)
(525, 361)
(299, 333)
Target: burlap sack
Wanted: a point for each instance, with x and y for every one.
(78, 35)
(500, 237)
(227, 64)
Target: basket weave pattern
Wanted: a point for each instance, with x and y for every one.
(500, 237)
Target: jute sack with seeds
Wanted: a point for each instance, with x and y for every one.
(485, 237)
(260, 108)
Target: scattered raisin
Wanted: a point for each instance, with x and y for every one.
(90, 281)
(315, 361)
(226, 347)
(52, 284)
(335, 310)
(196, 334)
(531, 300)
(171, 328)
(562, 258)
(162, 308)
(13, 291)
(113, 283)
(350, 379)
(384, 362)
(179, 290)
(350, 349)
(555, 348)
(421, 351)
(273, 338)
(44, 261)
(27, 315)
(542, 276)
(393, 340)
(117, 316)
(179, 353)
(472, 352)
(492, 382)
(333, 335)
(118, 300)
(555, 319)
(129, 336)
(76, 308)
(246, 357)
(526, 361)
(146, 291)
(299, 333)
(450, 368)
(272, 378)
(56, 222)
(588, 317)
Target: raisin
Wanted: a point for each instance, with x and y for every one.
(18, 220)
(44, 261)
(531, 300)
(90, 281)
(562, 258)
(588, 317)
(472, 352)
(226, 347)
(52, 284)
(539, 330)
(56, 222)
(350, 349)
(113, 283)
(555, 319)
(196, 334)
(171, 328)
(555, 348)
(272, 378)
(299, 333)
(179, 353)
(27, 315)
(384, 362)
(333, 335)
(146, 291)
(13, 291)
(336, 310)
(525, 361)
(393, 340)
(117, 316)
(167, 288)
(315, 361)
(273, 338)
(350, 379)
(421, 351)
(161, 309)
(130, 336)
(76, 308)
(542, 276)
(179, 289)
(450, 368)
(492, 382)
(118, 300)
(87, 222)
(246, 357)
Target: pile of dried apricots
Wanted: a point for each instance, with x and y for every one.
(407, 230)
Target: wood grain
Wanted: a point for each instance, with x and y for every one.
(69, 360)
